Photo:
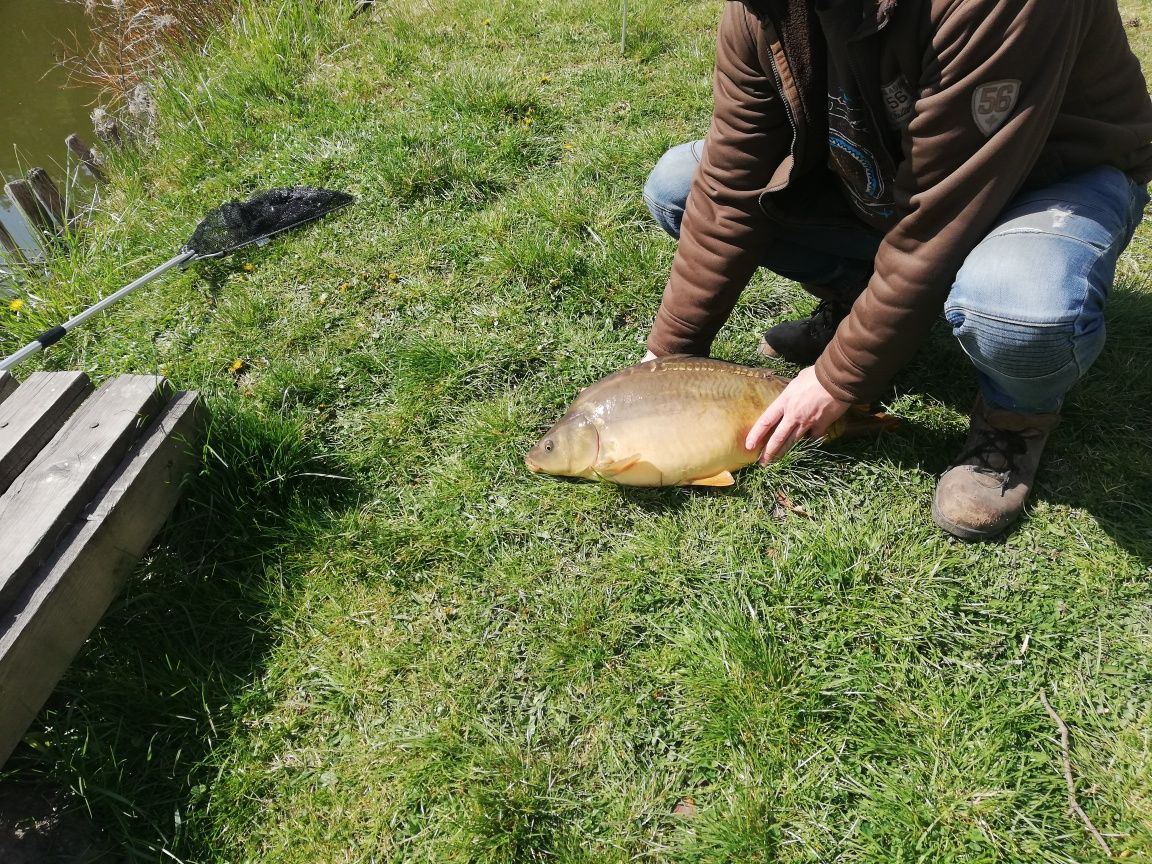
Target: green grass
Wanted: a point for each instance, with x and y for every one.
(369, 635)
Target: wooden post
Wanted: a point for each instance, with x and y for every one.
(21, 194)
(9, 248)
(85, 154)
(48, 194)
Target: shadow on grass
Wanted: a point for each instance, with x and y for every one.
(1101, 456)
(657, 501)
(164, 678)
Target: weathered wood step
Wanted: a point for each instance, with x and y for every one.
(42, 630)
(100, 473)
(62, 479)
(8, 385)
(33, 415)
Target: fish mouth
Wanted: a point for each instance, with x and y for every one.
(532, 466)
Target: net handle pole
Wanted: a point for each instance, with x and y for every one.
(50, 337)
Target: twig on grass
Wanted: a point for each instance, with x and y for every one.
(1074, 808)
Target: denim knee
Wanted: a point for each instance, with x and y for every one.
(1021, 366)
(666, 190)
(1030, 335)
(1028, 304)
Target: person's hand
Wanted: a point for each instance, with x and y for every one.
(804, 408)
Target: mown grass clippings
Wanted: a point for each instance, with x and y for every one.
(368, 634)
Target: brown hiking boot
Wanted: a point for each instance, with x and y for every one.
(986, 487)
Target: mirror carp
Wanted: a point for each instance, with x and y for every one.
(673, 421)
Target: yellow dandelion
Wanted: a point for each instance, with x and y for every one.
(344, 286)
(544, 79)
(15, 305)
(249, 267)
(393, 277)
(238, 366)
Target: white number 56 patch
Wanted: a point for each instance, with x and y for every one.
(992, 103)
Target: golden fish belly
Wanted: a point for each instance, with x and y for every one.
(676, 454)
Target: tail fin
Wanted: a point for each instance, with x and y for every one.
(859, 421)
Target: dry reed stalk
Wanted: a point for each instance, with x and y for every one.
(130, 38)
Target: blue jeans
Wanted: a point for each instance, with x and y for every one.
(1028, 303)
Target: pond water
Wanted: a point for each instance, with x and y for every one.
(38, 106)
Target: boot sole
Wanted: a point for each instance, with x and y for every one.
(766, 350)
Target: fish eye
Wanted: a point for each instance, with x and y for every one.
(548, 445)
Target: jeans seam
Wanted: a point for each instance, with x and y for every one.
(968, 313)
(995, 374)
(1082, 204)
(1081, 369)
(656, 205)
(1011, 231)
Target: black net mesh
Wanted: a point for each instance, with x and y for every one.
(239, 223)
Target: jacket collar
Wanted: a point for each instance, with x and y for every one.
(775, 9)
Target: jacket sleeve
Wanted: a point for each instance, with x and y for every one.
(749, 136)
(954, 181)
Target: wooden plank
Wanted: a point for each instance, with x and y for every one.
(21, 195)
(33, 415)
(40, 506)
(78, 148)
(41, 633)
(8, 385)
(48, 194)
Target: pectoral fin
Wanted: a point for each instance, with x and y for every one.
(724, 478)
(616, 467)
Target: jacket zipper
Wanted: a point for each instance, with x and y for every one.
(791, 120)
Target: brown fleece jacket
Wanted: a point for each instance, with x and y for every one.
(1080, 102)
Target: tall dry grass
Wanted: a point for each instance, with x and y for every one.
(129, 41)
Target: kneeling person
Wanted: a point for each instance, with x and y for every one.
(901, 161)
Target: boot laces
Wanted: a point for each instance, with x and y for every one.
(826, 316)
(996, 451)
